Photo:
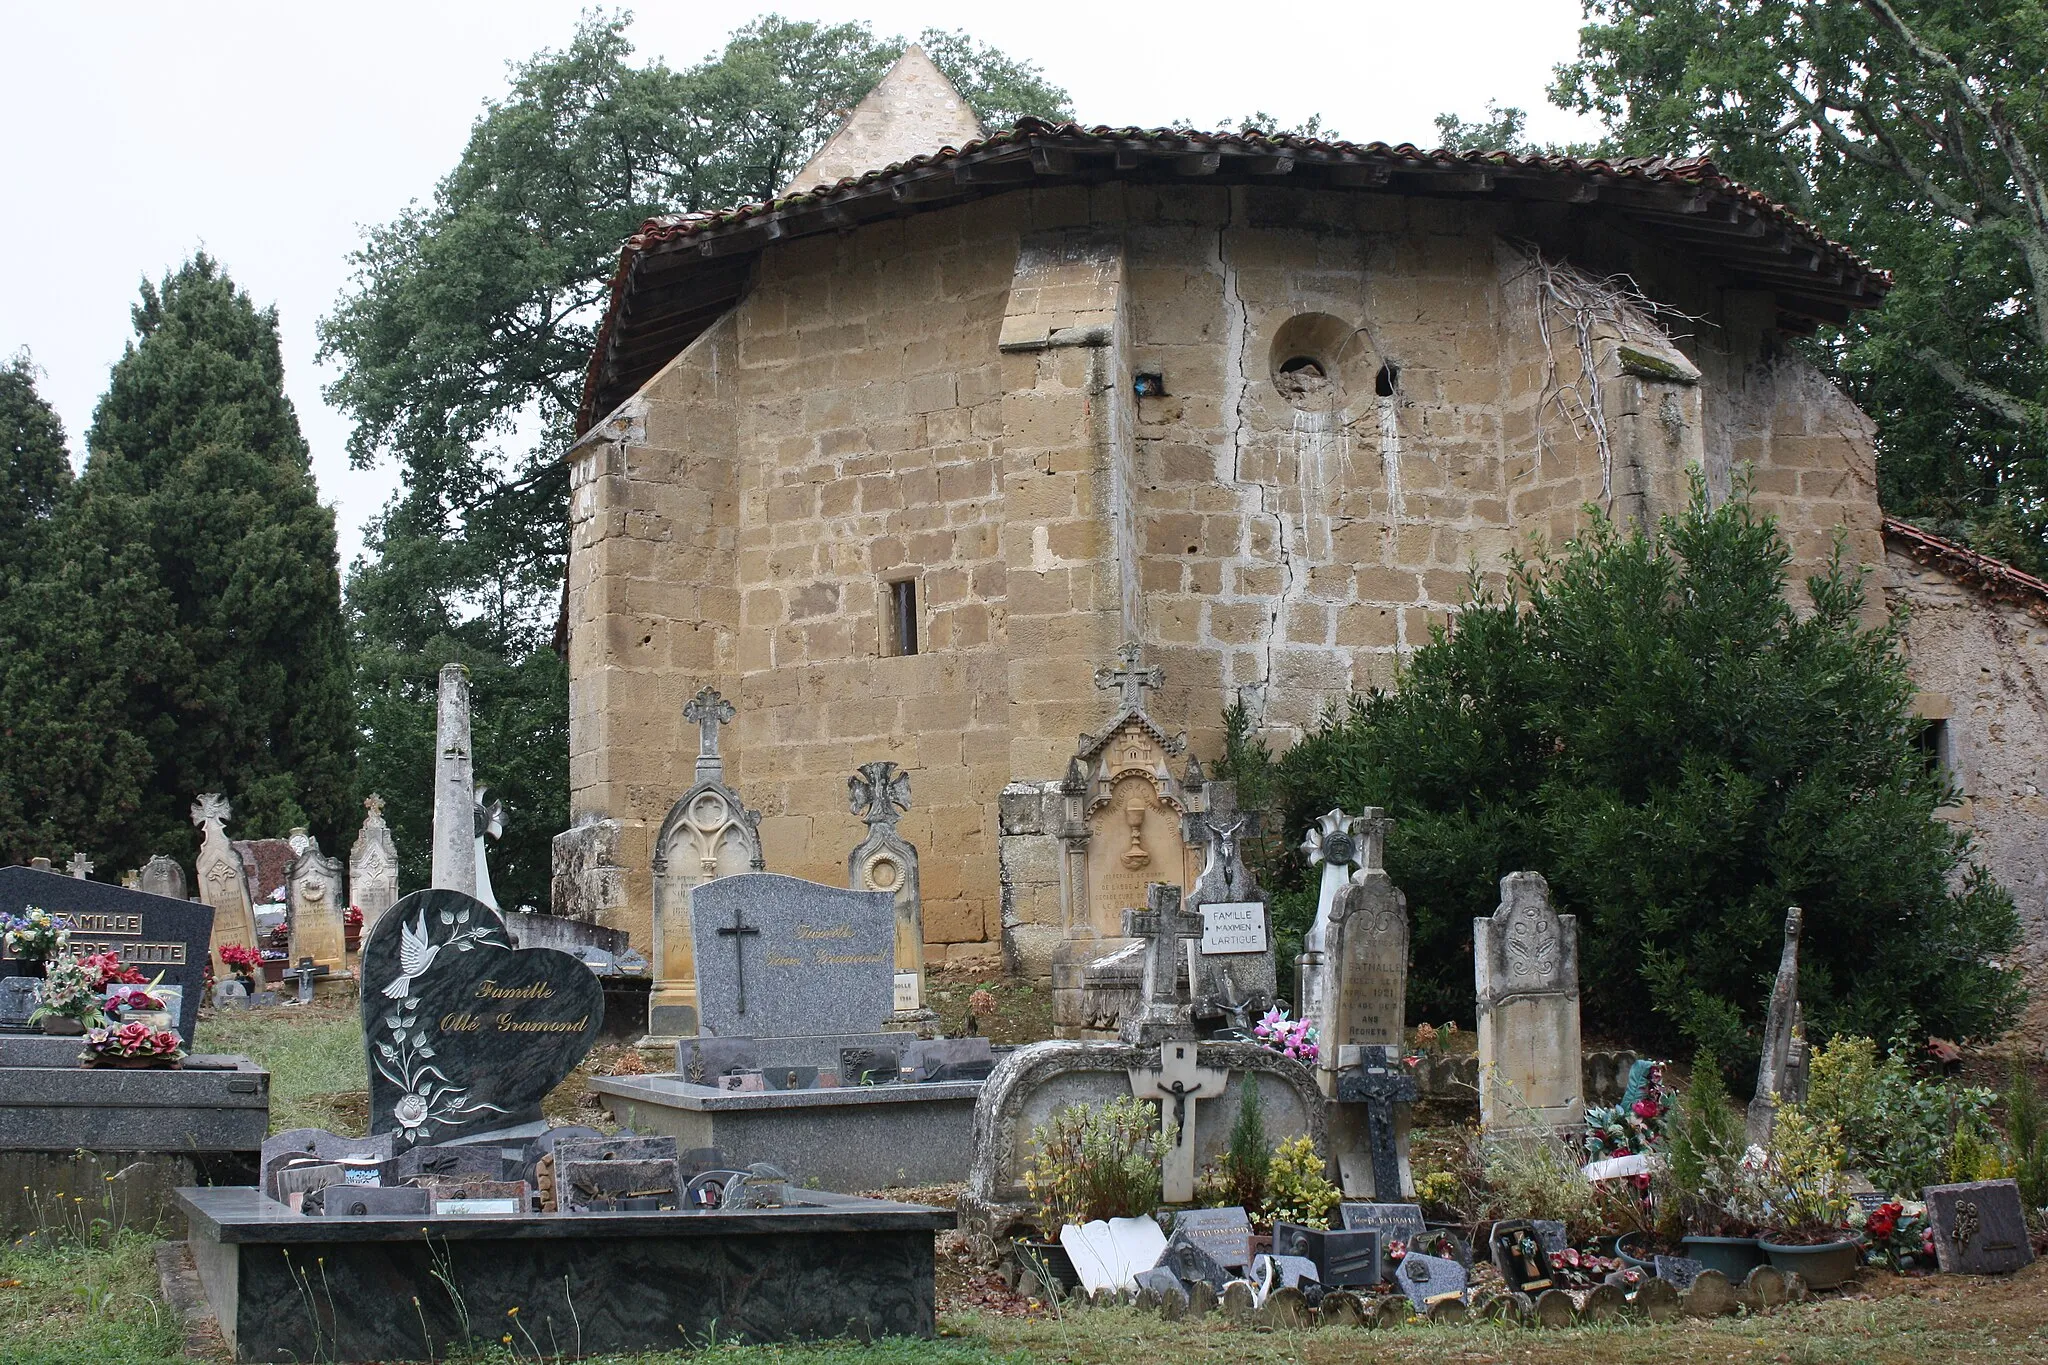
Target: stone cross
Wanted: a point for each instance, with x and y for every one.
(1334, 844)
(1165, 927)
(1379, 1082)
(374, 804)
(80, 866)
(1130, 680)
(454, 786)
(488, 818)
(1782, 1026)
(306, 973)
(1178, 1078)
(737, 931)
(879, 793)
(707, 711)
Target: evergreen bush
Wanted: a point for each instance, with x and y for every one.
(1649, 722)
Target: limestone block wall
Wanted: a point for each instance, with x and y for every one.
(1982, 668)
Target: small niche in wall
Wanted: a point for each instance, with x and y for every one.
(899, 618)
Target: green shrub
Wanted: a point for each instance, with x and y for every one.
(1651, 724)
(1096, 1161)
(1297, 1190)
(2026, 1126)
(1241, 1177)
(1705, 1190)
(1902, 1131)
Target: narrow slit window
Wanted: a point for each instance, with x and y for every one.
(901, 636)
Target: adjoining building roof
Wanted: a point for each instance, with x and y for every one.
(679, 273)
(1989, 578)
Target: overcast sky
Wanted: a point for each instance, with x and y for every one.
(270, 134)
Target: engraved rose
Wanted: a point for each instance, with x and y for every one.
(411, 1112)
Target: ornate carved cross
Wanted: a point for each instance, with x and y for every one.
(1131, 680)
(707, 711)
(80, 866)
(879, 792)
(1379, 1082)
(211, 806)
(374, 804)
(737, 932)
(1165, 927)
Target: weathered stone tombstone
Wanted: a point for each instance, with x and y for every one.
(318, 912)
(154, 934)
(454, 866)
(885, 861)
(1123, 826)
(1781, 1070)
(587, 881)
(1179, 1083)
(1162, 928)
(782, 957)
(1373, 1104)
(1231, 977)
(162, 876)
(373, 866)
(222, 880)
(466, 1034)
(1526, 960)
(1980, 1227)
(1331, 845)
(709, 833)
(1365, 991)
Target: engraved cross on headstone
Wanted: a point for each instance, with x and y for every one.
(1178, 1078)
(80, 866)
(1131, 680)
(737, 932)
(707, 711)
(879, 793)
(1379, 1082)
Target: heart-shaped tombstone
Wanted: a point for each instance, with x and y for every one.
(465, 1033)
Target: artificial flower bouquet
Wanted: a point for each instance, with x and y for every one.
(35, 936)
(71, 992)
(1294, 1038)
(247, 963)
(132, 1045)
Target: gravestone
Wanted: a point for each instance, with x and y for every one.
(161, 876)
(1178, 1083)
(1343, 1258)
(318, 911)
(1517, 1253)
(884, 861)
(1780, 1071)
(1551, 1232)
(709, 833)
(1365, 992)
(222, 880)
(1678, 1271)
(1124, 823)
(1525, 957)
(153, 934)
(1223, 1235)
(373, 866)
(1375, 1096)
(1428, 1280)
(1980, 1227)
(782, 957)
(20, 998)
(1332, 845)
(1231, 978)
(466, 1034)
(1393, 1222)
(588, 882)
(454, 863)
(80, 866)
(1163, 1010)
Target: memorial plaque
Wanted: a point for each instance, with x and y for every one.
(498, 1197)
(1550, 1231)
(1395, 1222)
(1225, 1234)
(1343, 1258)
(153, 934)
(1234, 927)
(372, 1201)
(601, 1185)
(1980, 1228)
(782, 957)
(465, 1033)
(1429, 1279)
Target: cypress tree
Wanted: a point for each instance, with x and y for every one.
(218, 595)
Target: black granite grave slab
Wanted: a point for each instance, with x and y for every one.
(154, 934)
(833, 1267)
(1225, 1234)
(1980, 1227)
(465, 1033)
(1394, 1222)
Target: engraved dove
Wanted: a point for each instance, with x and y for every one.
(415, 955)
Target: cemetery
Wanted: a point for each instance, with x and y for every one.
(1231, 745)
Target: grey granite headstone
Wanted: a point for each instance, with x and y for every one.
(1395, 1222)
(1680, 1271)
(782, 957)
(1225, 1234)
(372, 1201)
(466, 1034)
(600, 1148)
(1980, 1227)
(153, 934)
(1163, 1283)
(1288, 1272)
(1192, 1264)
(1425, 1278)
(1550, 1231)
(20, 996)
(162, 876)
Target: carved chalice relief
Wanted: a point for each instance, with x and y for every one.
(1135, 856)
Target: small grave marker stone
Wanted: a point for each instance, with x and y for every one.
(1225, 1234)
(1679, 1271)
(1394, 1222)
(1341, 1257)
(1550, 1231)
(1980, 1227)
(1429, 1279)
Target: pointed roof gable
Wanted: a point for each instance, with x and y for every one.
(913, 111)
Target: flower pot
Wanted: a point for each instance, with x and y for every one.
(1629, 1247)
(1734, 1257)
(1053, 1257)
(63, 1026)
(1823, 1266)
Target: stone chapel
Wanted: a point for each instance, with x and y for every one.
(900, 460)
